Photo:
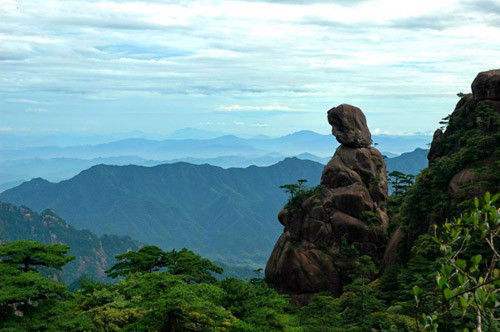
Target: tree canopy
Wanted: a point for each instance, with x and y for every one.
(151, 258)
(28, 255)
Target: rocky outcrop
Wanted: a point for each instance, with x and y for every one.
(486, 85)
(463, 164)
(347, 208)
(475, 114)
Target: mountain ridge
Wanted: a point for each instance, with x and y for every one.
(204, 207)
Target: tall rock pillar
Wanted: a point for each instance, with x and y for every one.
(347, 209)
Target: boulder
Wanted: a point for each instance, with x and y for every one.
(486, 85)
(391, 251)
(349, 126)
(461, 179)
(301, 269)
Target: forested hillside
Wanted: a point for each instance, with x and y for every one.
(227, 214)
(93, 254)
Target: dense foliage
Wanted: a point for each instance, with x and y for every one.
(93, 254)
(449, 282)
(470, 143)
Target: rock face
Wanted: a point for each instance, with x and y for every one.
(486, 85)
(463, 164)
(348, 207)
(349, 126)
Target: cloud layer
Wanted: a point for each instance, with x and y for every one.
(160, 65)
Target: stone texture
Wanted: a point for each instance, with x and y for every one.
(434, 152)
(349, 205)
(461, 179)
(301, 269)
(486, 85)
(349, 126)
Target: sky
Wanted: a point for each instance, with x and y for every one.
(240, 67)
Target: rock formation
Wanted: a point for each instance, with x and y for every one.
(347, 208)
(463, 164)
(468, 116)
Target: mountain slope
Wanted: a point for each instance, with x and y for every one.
(14, 172)
(93, 254)
(227, 214)
(409, 162)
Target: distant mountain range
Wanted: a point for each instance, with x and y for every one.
(14, 172)
(177, 148)
(93, 254)
(226, 214)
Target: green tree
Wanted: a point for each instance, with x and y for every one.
(151, 258)
(297, 193)
(22, 286)
(28, 255)
(19, 290)
(469, 275)
(196, 268)
(400, 182)
(146, 259)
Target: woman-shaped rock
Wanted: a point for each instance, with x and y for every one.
(348, 207)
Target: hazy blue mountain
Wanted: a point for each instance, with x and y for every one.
(194, 133)
(227, 214)
(289, 145)
(14, 172)
(17, 140)
(93, 254)
(236, 161)
(310, 156)
(408, 162)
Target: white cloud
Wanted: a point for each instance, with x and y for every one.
(257, 108)
(250, 56)
(25, 101)
(35, 110)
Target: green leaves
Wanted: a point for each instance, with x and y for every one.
(298, 192)
(476, 259)
(461, 264)
(151, 258)
(28, 255)
(400, 182)
(448, 294)
(21, 285)
(468, 275)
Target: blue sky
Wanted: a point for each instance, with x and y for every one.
(242, 67)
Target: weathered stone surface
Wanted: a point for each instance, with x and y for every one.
(347, 226)
(336, 174)
(391, 251)
(486, 85)
(349, 126)
(370, 165)
(461, 179)
(350, 205)
(301, 269)
(353, 200)
(434, 151)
